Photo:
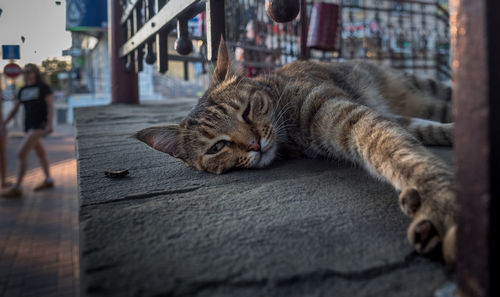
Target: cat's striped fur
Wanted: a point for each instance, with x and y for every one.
(357, 111)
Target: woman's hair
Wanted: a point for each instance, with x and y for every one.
(33, 68)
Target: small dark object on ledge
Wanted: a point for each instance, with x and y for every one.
(116, 173)
(282, 11)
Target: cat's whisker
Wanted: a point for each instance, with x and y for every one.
(278, 106)
(283, 127)
(282, 113)
(279, 100)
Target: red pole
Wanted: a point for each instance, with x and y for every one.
(124, 87)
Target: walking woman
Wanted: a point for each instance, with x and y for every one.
(36, 96)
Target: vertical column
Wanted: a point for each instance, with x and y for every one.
(150, 12)
(426, 34)
(378, 34)
(137, 24)
(476, 73)
(161, 43)
(124, 85)
(304, 51)
(352, 39)
(216, 27)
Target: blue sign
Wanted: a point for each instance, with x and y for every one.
(11, 52)
(86, 15)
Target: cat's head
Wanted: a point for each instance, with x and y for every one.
(232, 125)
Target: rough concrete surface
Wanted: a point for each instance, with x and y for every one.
(299, 228)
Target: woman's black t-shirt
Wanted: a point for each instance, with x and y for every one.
(35, 107)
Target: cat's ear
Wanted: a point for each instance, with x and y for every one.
(222, 68)
(165, 139)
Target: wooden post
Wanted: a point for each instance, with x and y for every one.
(476, 94)
(124, 85)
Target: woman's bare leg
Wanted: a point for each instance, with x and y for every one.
(31, 138)
(42, 156)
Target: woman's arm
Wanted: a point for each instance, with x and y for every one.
(49, 99)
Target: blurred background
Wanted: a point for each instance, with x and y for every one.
(71, 45)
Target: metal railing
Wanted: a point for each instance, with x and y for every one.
(411, 35)
(405, 34)
(147, 24)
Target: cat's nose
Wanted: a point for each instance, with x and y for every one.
(254, 145)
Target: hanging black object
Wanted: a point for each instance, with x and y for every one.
(282, 11)
(323, 26)
(183, 45)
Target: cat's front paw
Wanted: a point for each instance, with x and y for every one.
(433, 226)
(423, 234)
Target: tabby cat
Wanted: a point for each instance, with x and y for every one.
(369, 115)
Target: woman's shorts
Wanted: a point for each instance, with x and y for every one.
(34, 126)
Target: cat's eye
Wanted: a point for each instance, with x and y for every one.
(246, 113)
(217, 147)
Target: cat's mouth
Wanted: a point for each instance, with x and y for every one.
(266, 156)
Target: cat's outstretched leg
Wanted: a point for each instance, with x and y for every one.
(429, 132)
(414, 104)
(392, 153)
(416, 97)
(435, 88)
(422, 106)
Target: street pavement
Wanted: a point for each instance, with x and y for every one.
(39, 232)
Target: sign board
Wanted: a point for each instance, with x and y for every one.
(11, 52)
(74, 52)
(12, 70)
(86, 15)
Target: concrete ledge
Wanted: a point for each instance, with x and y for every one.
(300, 228)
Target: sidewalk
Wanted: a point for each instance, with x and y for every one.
(39, 232)
(60, 145)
